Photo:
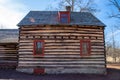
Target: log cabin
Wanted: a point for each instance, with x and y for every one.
(57, 42)
(8, 48)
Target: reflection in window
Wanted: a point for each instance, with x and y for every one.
(64, 17)
(64, 20)
(85, 47)
(38, 47)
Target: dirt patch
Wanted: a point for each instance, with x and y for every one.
(113, 74)
(115, 66)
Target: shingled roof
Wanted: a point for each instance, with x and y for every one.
(51, 18)
(9, 35)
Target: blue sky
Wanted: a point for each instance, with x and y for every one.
(12, 11)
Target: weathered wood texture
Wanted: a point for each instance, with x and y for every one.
(62, 47)
(8, 55)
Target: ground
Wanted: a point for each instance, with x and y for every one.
(113, 73)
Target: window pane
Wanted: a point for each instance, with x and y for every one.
(38, 47)
(64, 15)
(85, 48)
(64, 20)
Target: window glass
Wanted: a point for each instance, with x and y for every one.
(64, 15)
(64, 20)
(39, 47)
(85, 48)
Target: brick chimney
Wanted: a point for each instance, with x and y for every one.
(68, 8)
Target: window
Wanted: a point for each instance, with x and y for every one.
(64, 17)
(85, 47)
(64, 20)
(39, 47)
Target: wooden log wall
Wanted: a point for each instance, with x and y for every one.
(62, 47)
(8, 55)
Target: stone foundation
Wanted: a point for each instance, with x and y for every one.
(66, 70)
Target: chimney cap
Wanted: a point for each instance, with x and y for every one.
(68, 8)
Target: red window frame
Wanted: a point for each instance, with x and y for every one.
(89, 47)
(64, 12)
(34, 52)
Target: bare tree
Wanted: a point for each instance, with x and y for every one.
(79, 5)
(115, 4)
(112, 48)
(115, 14)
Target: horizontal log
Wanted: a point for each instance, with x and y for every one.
(97, 43)
(62, 63)
(60, 53)
(59, 37)
(63, 51)
(8, 50)
(26, 41)
(60, 28)
(95, 40)
(25, 47)
(60, 46)
(52, 47)
(63, 34)
(53, 50)
(59, 41)
(60, 31)
(89, 31)
(3, 53)
(64, 48)
(72, 47)
(8, 61)
(65, 59)
(31, 57)
(8, 65)
(50, 54)
(55, 66)
(64, 56)
(7, 56)
(63, 42)
(58, 59)
(60, 49)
